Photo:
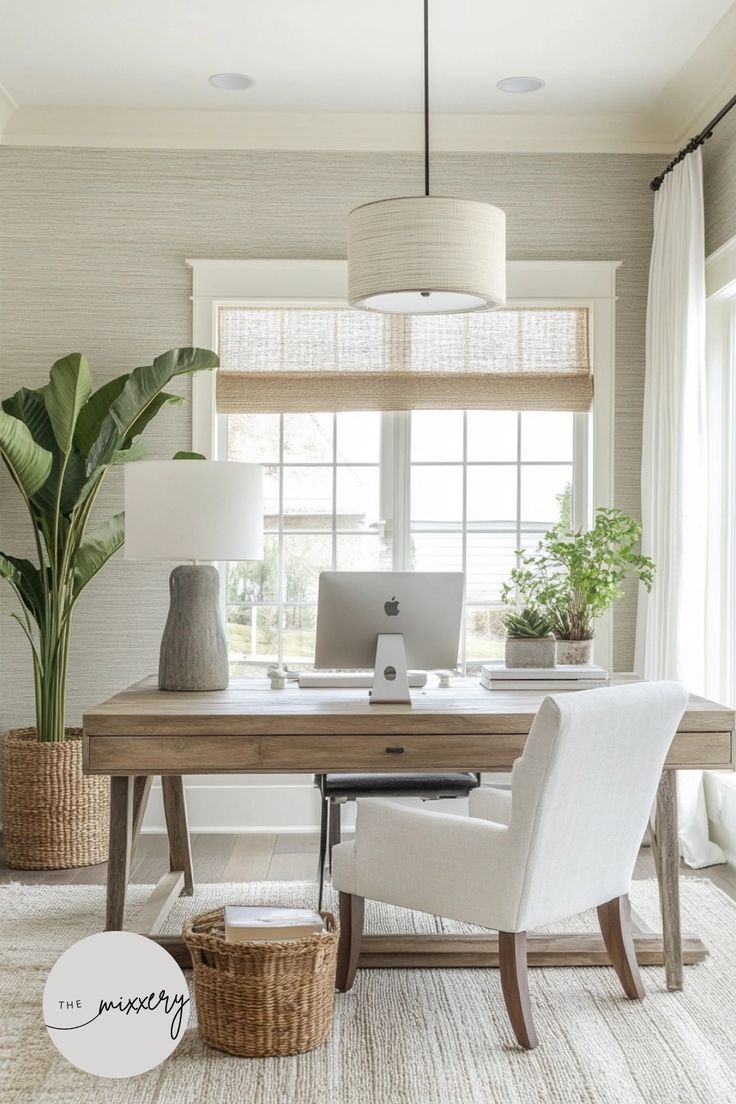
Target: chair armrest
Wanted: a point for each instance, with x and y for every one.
(441, 863)
(489, 803)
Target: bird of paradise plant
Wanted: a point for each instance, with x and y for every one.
(59, 442)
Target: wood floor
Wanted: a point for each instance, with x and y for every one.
(262, 856)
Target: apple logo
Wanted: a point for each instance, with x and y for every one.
(391, 608)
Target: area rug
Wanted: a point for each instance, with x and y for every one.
(401, 1036)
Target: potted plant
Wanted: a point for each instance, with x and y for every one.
(530, 639)
(576, 576)
(59, 442)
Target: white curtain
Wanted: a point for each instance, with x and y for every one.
(671, 626)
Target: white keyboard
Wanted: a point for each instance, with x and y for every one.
(312, 680)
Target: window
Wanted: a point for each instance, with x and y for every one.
(429, 490)
(322, 511)
(720, 606)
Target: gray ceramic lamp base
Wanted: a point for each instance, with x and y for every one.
(194, 647)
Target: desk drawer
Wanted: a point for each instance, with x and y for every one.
(390, 753)
(701, 750)
(172, 754)
(327, 752)
(294, 754)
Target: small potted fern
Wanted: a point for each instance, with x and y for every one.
(530, 639)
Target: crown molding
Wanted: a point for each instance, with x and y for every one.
(702, 86)
(708, 109)
(685, 105)
(232, 130)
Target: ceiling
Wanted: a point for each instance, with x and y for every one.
(597, 58)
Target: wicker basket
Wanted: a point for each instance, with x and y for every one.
(54, 816)
(262, 999)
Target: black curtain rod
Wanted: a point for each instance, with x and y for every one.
(693, 144)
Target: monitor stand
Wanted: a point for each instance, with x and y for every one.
(390, 680)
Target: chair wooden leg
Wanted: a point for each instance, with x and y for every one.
(323, 818)
(615, 921)
(515, 986)
(335, 828)
(351, 933)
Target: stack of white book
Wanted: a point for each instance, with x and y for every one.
(246, 923)
(585, 676)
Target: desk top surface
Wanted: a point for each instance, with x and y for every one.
(251, 706)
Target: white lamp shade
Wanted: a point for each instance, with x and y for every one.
(193, 510)
(426, 255)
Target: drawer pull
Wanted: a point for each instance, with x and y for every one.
(394, 751)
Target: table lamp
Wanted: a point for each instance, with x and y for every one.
(193, 510)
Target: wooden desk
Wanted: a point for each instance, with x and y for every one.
(250, 728)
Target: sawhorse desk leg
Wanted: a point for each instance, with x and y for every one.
(128, 800)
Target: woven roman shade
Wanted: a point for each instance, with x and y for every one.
(306, 359)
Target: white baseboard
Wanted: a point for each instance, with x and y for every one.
(238, 830)
(241, 807)
(251, 805)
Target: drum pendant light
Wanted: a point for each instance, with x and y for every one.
(426, 254)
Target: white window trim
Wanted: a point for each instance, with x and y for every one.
(720, 640)
(591, 284)
(720, 280)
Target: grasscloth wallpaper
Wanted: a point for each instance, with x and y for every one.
(92, 248)
(719, 184)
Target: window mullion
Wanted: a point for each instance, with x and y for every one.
(518, 487)
(334, 492)
(463, 625)
(282, 566)
(402, 491)
(581, 445)
(386, 487)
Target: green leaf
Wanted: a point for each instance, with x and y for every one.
(29, 407)
(94, 412)
(179, 362)
(70, 384)
(96, 549)
(28, 463)
(126, 456)
(140, 390)
(189, 456)
(74, 479)
(26, 579)
(151, 411)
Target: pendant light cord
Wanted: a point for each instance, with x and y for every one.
(426, 97)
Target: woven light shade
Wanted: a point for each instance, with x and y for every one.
(426, 255)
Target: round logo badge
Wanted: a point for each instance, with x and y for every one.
(116, 1004)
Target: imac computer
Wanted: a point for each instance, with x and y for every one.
(387, 620)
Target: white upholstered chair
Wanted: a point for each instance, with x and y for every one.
(564, 838)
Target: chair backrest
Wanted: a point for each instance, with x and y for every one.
(583, 791)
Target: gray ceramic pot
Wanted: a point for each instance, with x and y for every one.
(530, 651)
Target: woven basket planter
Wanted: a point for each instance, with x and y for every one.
(54, 816)
(262, 999)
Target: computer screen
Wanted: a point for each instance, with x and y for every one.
(355, 607)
